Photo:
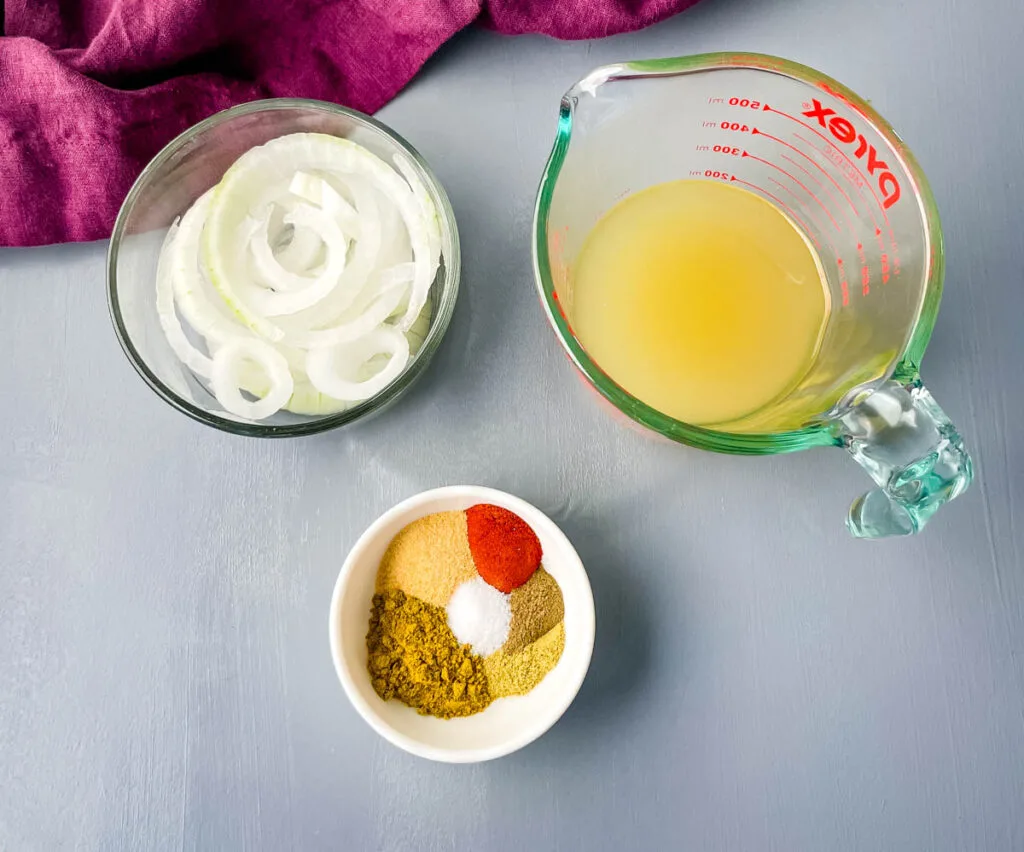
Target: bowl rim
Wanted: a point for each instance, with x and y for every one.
(543, 722)
(439, 322)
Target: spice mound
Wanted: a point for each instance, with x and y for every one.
(463, 613)
(415, 658)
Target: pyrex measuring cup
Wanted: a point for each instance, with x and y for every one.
(827, 160)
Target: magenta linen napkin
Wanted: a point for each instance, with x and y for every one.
(91, 89)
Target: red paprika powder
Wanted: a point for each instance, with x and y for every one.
(505, 550)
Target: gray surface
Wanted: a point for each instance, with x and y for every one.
(760, 680)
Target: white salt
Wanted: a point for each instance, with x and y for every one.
(479, 615)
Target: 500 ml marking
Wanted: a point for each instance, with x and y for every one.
(746, 103)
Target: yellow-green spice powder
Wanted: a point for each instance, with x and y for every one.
(413, 656)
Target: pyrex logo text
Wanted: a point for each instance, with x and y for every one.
(845, 132)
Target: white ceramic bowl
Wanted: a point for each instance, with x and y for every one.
(507, 724)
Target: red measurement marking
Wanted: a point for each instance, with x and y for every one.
(833, 147)
(865, 271)
(855, 179)
(783, 205)
(860, 188)
(851, 175)
(802, 185)
(895, 250)
(796, 197)
(817, 182)
(811, 160)
(843, 285)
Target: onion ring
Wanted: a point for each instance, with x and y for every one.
(321, 364)
(225, 378)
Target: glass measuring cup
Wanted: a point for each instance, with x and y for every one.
(825, 158)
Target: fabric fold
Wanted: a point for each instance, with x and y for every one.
(92, 89)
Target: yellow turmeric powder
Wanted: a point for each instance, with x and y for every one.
(414, 656)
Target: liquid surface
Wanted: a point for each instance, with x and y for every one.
(701, 299)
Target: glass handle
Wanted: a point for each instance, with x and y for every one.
(908, 445)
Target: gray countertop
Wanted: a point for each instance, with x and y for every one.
(760, 681)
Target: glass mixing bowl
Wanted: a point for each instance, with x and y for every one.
(177, 176)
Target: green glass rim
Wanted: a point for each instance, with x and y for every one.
(820, 433)
(439, 322)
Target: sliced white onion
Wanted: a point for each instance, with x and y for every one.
(244, 185)
(319, 192)
(432, 232)
(302, 252)
(191, 357)
(291, 292)
(268, 265)
(373, 307)
(307, 271)
(357, 273)
(323, 364)
(200, 306)
(394, 238)
(232, 300)
(296, 249)
(226, 377)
